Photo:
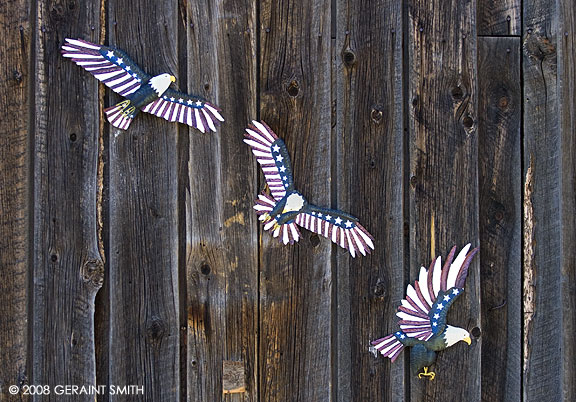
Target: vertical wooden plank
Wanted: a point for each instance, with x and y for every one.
(500, 185)
(296, 281)
(68, 268)
(221, 229)
(499, 17)
(543, 303)
(443, 167)
(15, 81)
(370, 159)
(567, 113)
(143, 216)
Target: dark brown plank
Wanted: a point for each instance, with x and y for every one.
(68, 268)
(500, 185)
(543, 304)
(499, 17)
(143, 216)
(218, 187)
(567, 97)
(296, 281)
(15, 81)
(443, 193)
(370, 161)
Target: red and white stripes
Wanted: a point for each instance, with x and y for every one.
(179, 109)
(117, 118)
(89, 56)
(260, 138)
(389, 346)
(354, 239)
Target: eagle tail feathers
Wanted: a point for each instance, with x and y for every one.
(389, 346)
(286, 233)
(121, 114)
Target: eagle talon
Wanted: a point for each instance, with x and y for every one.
(427, 373)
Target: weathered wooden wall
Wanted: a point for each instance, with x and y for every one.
(135, 258)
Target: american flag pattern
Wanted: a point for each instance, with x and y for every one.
(287, 233)
(187, 109)
(423, 312)
(115, 69)
(273, 157)
(109, 65)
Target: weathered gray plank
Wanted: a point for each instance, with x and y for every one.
(68, 268)
(500, 185)
(443, 171)
(499, 17)
(143, 216)
(219, 186)
(15, 81)
(369, 162)
(567, 115)
(542, 367)
(296, 281)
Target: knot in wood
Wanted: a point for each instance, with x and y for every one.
(205, 269)
(293, 88)
(538, 47)
(468, 122)
(476, 333)
(457, 93)
(17, 76)
(156, 329)
(349, 57)
(314, 240)
(380, 288)
(92, 272)
(376, 115)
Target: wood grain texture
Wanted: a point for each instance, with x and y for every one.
(219, 186)
(369, 161)
(443, 170)
(143, 215)
(567, 110)
(296, 281)
(499, 17)
(68, 268)
(500, 186)
(542, 367)
(15, 126)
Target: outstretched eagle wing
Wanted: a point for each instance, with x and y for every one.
(273, 158)
(107, 64)
(423, 312)
(187, 109)
(341, 228)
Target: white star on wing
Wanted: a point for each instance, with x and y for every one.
(276, 148)
(189, 102)
(455, 291)
(120, 61)
(171, 99)
(338, 221)
(198, 103)
(440, 306)
(279, 158)
(348, 224)
(180, 100)
(110, 54)
(446, 298)
(328, 217)
(436, 316)
(128, 68)
(282, 168)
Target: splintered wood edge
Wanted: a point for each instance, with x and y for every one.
(233, 377)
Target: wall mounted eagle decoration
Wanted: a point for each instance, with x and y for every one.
(423, 314)
(287, 207)
(142, 91)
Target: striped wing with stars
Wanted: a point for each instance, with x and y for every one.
(187, 109)
(272, 156)
(423, 312)
(107, 64)
(341, 228)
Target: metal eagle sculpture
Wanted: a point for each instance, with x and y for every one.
(142, 91)
(423, 313)
(287, 207)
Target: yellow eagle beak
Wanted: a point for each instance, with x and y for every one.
(468, 340)
(172, 78)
